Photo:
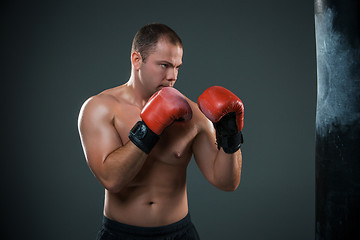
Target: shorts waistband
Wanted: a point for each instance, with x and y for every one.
(147, 231)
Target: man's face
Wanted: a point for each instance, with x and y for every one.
(161, 67)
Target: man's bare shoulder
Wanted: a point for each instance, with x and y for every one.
(111, 96)
(199, 119)
(102, 104)
(195, 109)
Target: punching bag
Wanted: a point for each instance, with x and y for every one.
(337, 27)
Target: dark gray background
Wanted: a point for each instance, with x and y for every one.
(56, 54)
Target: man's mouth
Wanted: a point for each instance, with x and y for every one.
(162, 86)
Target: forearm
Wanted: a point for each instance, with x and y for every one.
(226, 111)
(121, 166)
(227, 170)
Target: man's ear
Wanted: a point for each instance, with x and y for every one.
(136, 60)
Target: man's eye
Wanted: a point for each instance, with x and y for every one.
(163, 65)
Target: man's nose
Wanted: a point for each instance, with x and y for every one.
(172, 74)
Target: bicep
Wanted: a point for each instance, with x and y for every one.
(98, 135)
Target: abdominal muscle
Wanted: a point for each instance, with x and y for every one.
(156, 197)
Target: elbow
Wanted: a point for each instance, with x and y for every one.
(230, 186)
(111, 186)
(113, 189)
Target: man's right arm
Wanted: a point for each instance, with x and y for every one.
(114, 164)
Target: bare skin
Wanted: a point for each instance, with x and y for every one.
(150, 190)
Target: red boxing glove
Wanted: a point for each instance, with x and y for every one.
(162, 109)
(226, 111)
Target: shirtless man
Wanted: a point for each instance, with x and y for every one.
(139, 149)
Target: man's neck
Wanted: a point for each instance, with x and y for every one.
(137, 95)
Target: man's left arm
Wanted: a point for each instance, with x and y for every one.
(217, 146)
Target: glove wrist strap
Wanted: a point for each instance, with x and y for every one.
(142, 136)
(230, 143)
(227, 134)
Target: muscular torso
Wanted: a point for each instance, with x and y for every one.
(157, 195)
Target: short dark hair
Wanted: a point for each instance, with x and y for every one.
(146, 38)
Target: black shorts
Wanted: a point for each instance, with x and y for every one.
(181, 230)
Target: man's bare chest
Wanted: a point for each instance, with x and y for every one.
(174, 146)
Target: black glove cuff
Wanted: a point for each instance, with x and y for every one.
(227, 135)
(142, 136)
(230, 143)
